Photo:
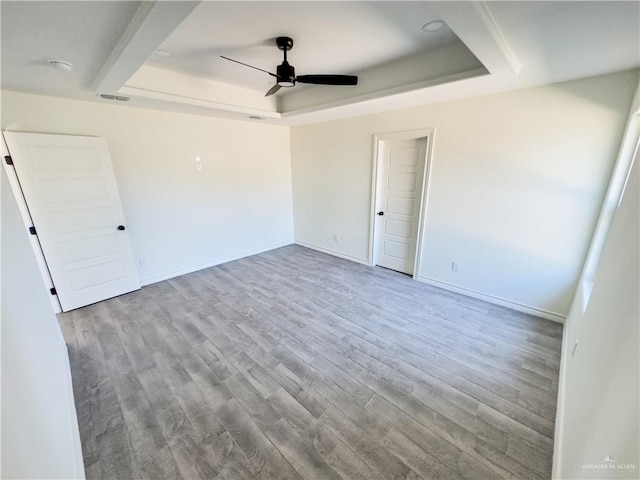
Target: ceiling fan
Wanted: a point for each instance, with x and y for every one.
(286, 74)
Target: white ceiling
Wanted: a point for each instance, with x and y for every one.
(335, 37)
(486, 47)
(83, 33)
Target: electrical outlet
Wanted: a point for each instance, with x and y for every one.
(455, 266)
(198, 164)
(141, 263)
(336, 238)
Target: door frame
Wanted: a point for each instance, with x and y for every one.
(376, 187)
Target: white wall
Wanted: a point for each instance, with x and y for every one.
(599, 400)
(516, 186)
(180, 219)
(40, 436)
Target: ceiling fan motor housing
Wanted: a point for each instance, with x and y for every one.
(286, 75)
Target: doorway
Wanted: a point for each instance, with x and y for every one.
(400, 187)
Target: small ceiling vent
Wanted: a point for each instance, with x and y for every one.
(108, 96)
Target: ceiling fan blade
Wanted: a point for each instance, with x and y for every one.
(328, 79)
(273, 90)
(247, 65)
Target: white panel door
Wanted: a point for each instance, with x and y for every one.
(398, 210)
(72, 196)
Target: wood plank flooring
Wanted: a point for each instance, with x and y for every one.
(294, 364)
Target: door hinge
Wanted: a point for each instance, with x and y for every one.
(53, 291)
(8, 159)
(32, 231)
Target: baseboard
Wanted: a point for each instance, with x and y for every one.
(74, 428)
(538, 312)
(335, 253)
(219, 261)
(558, 438)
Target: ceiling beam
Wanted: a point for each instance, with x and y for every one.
(476, 26)
(149, 27)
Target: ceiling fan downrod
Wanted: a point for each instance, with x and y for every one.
(285, 72)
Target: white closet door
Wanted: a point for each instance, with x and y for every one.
(72, 196)
(402, 171)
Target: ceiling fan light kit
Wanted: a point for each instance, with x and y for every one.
(286, 74)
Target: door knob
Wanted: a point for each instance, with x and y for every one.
(121, 227)
(380, 213)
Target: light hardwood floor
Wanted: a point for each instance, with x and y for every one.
(296, 364)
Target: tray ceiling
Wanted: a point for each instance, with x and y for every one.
(484, 47)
